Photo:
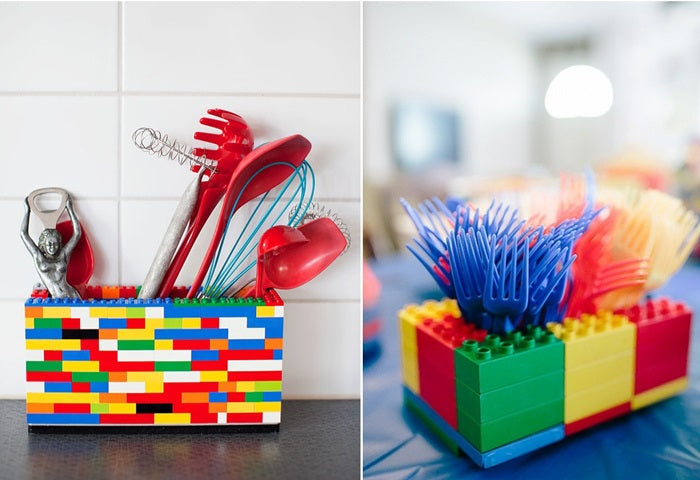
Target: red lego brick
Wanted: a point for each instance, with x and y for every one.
(71, 408)
(70, 323)
(247, 354)
(53, 355)
(600, 417)
(115, 366)
(49, 376)
(191, 344)
(94, 292)
(244, 417)
(254, 376)
(272, 298)
(178, 292)
(127, 292)
(40, 293)
(91, 344)
(209, 365)
(136, 323)
(194, 408)
(127, 418)
(197, 417)
(80, 387)
(210, 322)
(172, 388)
(235, 397)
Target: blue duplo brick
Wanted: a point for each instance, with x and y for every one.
(43, 333)
(76, 355)
(51, 387)
(99, 387)
(273, 326)
(205, 355)
(217, 396)
(246, 344)
(63, 418)
(277, 355)
(190, 333)
(112, 323)
(272, 396)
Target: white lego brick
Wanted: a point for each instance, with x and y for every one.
(89, 323)
(109, 345)
(135, 355)
(181, 376)
(279, 311)
(127, 387)
(238, 329)
(221, 417)
(154, 312)
(172, 355)
(254, 365)
(271, 417)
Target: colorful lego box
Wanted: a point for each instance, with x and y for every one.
(163, 362)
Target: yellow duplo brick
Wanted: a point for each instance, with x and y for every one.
(607, 370)
(56, 344)
(154, 387)
(656, 394)
(213, 376)
(135, 334)
(267, 406)
(122, 408)
(57, 312)
(240, 407)
(163, 344)
(171, 418)
(34, 312)
(63, 397)
(594, 400)
(29, 322)
(81, 366)
(108, 312)
(409, 316)
(154, 377)
(264, 311)
(153, 323)
(193, 322)
(245, 386)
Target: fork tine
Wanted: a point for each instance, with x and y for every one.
(213, 122)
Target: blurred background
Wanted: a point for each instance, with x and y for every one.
(468, 99)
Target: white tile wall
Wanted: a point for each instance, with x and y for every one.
(78, 78)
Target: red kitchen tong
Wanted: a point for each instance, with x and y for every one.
(233, 143)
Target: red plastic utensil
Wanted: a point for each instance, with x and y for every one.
(290, 150)
(233, 143)
(291, 265)
(81, 263)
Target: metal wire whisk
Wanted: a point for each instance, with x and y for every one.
(155, 142)
(316, 210)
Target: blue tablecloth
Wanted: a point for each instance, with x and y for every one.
(659, 442)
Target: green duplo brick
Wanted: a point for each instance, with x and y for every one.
(173, 366)
(99, 408)
(46, 366)
(135, 312)
(268, 386)
(253, 397)
(136, 344)
(499, 362)
(504, 430)
(48, 323)
(88, 377)
(508, 400)
(172, 322)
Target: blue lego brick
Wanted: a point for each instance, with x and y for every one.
(246, 344)
(272, 325)
(217, 396)
(272, 396)
(497, 455)
(205, 355)
(277, 355)
(190, 333)
(43, 333)
(76, 355)
(99, 387)
(63, 418)
(112, 323)
(50, 387)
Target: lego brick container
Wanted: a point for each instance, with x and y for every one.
(117, 361)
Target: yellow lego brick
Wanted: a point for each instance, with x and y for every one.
(267, 406)
(245, 386)
(194, 322)
(29, 322)
(264, 311)
(57, 312)
(410, 379)
(662, 392)
(240, 407)
(81, 366)
(153, 323)
(63, 397)
(607, 370)
(213, 376)
(172, 418)
(163, 344)
(409, 316)
(146, 377)
(594, 400)
(108, 312)
(593, 338)
(56, 344)
(122, 408)
(135, 334)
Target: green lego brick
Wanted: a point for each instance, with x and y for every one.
(254, 396)
(489, 435)
(172, 323)
(497, 363)
(136, 344)
(451, 445)
(509, 400)
(268, 386)
(99, 408)
(135, 312)
(90, 377)
(48, 323)
(44, 366)
(173, 366)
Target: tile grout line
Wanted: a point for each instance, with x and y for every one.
(120, 119)
(155, 93)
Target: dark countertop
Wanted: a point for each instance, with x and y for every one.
(658, 442)
(317, 439)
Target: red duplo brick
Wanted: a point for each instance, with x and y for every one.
(191, 344)
(71, 408)
(210, 322)
(600, 417)
(209, 365)
(49, 376)
(235, 397)
(92, 345)
(274, 375)
(136, 323)
(244, 417)
(127, 292)
(247, 355)
(194, 408)
(80, 387)
(203, 417)
(70, 323)
(105, 357)
(112, 366)
(53, 355)
(178, 387)
(126, 418)
(663, 339)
